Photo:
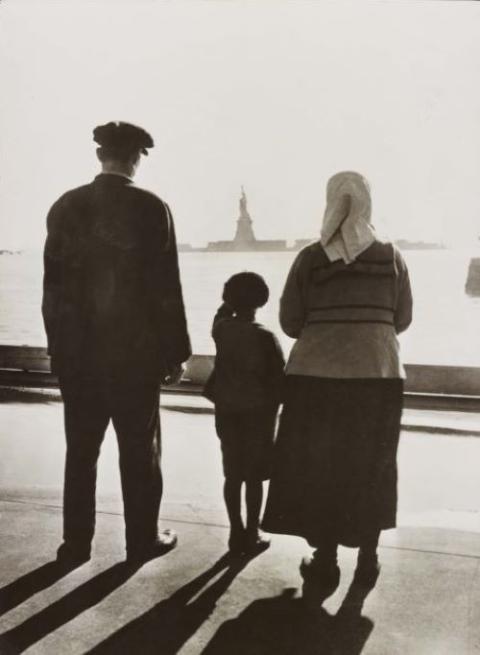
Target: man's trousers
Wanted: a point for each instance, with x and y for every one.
(89, 405)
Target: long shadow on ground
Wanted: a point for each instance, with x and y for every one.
(62, 611)
(167, 626)
(18, 591)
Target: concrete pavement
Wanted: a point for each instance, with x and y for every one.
(194, 600)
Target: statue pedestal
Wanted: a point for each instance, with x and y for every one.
(472, 285)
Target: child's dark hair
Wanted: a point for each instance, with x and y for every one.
(245, 291)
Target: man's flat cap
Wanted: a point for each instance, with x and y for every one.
(125, 136)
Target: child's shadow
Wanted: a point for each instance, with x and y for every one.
(283, 626)
(169, 624)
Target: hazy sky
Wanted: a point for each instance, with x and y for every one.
(276, 96)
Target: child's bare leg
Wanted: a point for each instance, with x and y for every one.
(233, 501)
(254, 498)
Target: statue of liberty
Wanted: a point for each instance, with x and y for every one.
(244, 233)
(243, 204)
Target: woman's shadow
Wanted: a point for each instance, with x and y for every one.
(283, 626)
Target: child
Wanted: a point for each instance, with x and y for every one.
(246, 387)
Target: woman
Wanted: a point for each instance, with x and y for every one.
(334, 480)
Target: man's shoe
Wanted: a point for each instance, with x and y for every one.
(68, 555)
(164, 543)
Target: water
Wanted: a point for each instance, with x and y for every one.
(446, 327)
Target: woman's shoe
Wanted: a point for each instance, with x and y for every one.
(321, 579)
(326, 574)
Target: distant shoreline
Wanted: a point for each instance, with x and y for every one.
(231, 246)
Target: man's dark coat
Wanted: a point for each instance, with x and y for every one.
(112, 295)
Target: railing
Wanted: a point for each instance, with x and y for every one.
(427, 387)
(27, 366)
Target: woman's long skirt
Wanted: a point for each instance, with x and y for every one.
(334, 471)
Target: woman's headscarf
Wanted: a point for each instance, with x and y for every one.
(346, 229)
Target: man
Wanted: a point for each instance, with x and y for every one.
(116, 328)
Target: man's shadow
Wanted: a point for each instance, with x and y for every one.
(284, 626)
(169, 624)
(62, 611)
(18, 591)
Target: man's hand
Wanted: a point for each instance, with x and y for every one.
(174, 375)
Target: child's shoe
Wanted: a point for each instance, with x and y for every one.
(256, 542)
